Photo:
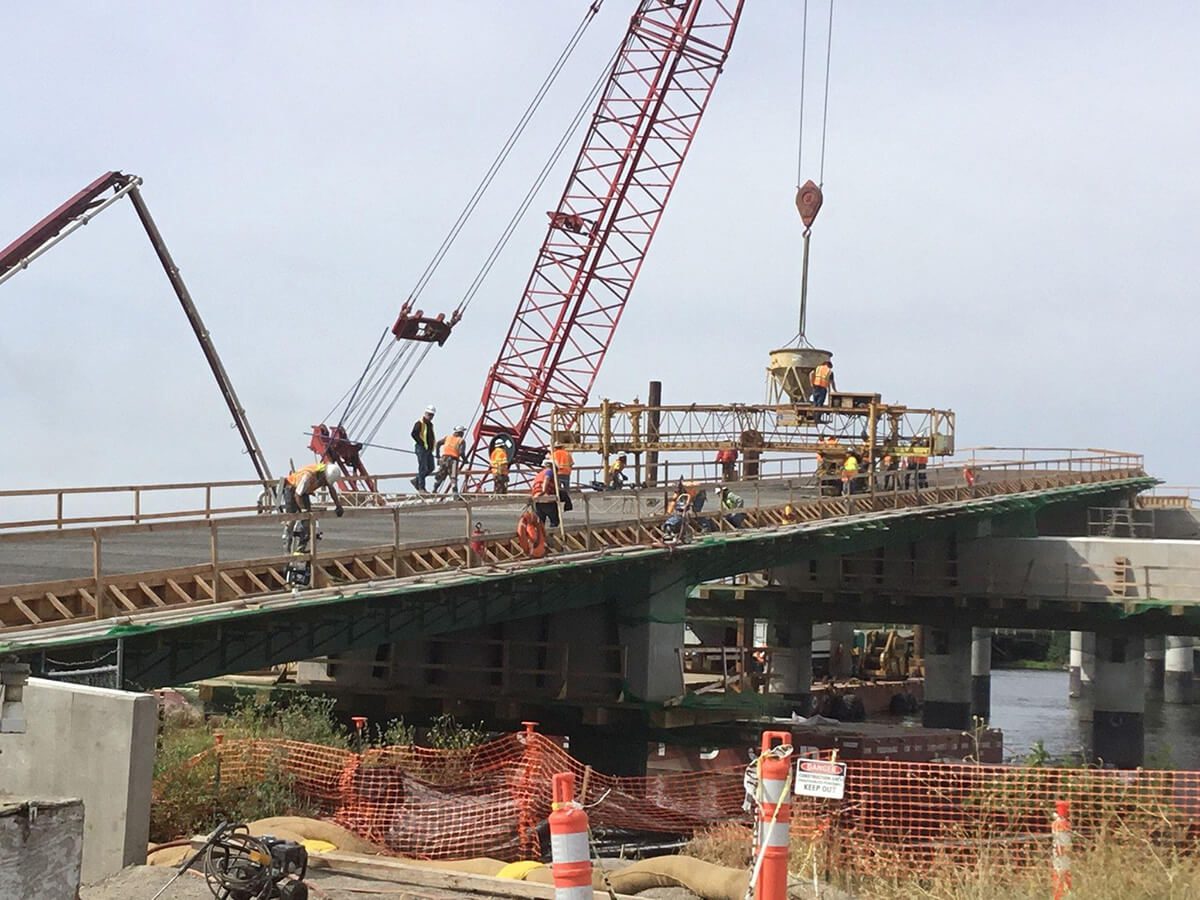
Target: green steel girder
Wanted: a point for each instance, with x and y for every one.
(226, 639)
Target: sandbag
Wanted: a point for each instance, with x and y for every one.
(705, 880)
(300, 828)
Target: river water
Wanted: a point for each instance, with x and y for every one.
(1029, 706)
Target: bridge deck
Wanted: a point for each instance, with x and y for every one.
(370, 547)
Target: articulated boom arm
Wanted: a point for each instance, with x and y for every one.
(76, 213)
(598, 236)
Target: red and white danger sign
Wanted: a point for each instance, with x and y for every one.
(818, 778)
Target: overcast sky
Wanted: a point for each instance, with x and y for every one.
(1010, 224)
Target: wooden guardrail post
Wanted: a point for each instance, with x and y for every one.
(396, 541)
(59, 514)
(137, 505)
(312, 551)
(97, 574)
(214, 557)
(208, 501)
(587, 521)
(467, 541)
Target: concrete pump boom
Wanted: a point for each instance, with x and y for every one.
(76, 213)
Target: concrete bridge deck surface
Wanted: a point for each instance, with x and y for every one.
(51, 555)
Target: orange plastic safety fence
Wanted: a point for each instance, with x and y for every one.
(484, 801)
(490, 801)
(920, 815)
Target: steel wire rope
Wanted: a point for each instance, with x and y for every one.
(539, 182)
(379, 383)
(505, 236)
(382, 386)
(489, 176)
(353, 392)
(803, 74)
(377, 376)
(396, 396)
(825, 111)
(504, 151)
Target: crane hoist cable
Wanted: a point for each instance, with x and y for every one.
(389, 363)
(809, 196)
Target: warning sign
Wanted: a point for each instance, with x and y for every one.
(817, 778)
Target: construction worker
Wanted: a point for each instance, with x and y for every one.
(499, 463)
(731, 502)
(563, 462)
(889, 464)
(614, 475)
(453, 448)
(297, 492)
(544, 495)
(850, 473)
(425, 442)
(727, 460)
(822, 382)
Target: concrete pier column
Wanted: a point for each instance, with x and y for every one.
(651, 626)
(791, 661)
(1118, 727)
(841, 642)
(1154, 657)
(1074, 664)
(947, 678)
(1179, 682)
(1087, 675)
(981, 673)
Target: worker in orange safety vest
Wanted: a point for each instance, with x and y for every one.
(563, 462)
(544, 494)
(453, 449)
(822, 382)
(499, 463)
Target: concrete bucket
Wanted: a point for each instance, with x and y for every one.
(790, 370)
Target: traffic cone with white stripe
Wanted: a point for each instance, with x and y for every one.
(571, 862)
(1060, 833)
(774, 815)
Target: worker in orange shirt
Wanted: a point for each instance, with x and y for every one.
(499, 463)
(822, 382)
(453, 449)
(563, 462)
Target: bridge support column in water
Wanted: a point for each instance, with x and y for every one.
(947, 678)
(1118, 725)
(981, 673)
(1154, 657)
(1179, 681)
(1083, 672)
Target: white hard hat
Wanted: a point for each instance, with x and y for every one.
(459, 429)
(333, 473)
(431, 409)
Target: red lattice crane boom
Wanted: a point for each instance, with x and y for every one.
(597, 238)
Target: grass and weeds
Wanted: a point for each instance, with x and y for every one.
(192, 797)
(1114, 865)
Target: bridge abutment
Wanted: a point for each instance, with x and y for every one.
(947, 678)
(1179, 685)
(1119, 701)
(981, 673)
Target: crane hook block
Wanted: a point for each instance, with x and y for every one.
(808, 202)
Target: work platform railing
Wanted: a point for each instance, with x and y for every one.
(61, 508)
(606, 526)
